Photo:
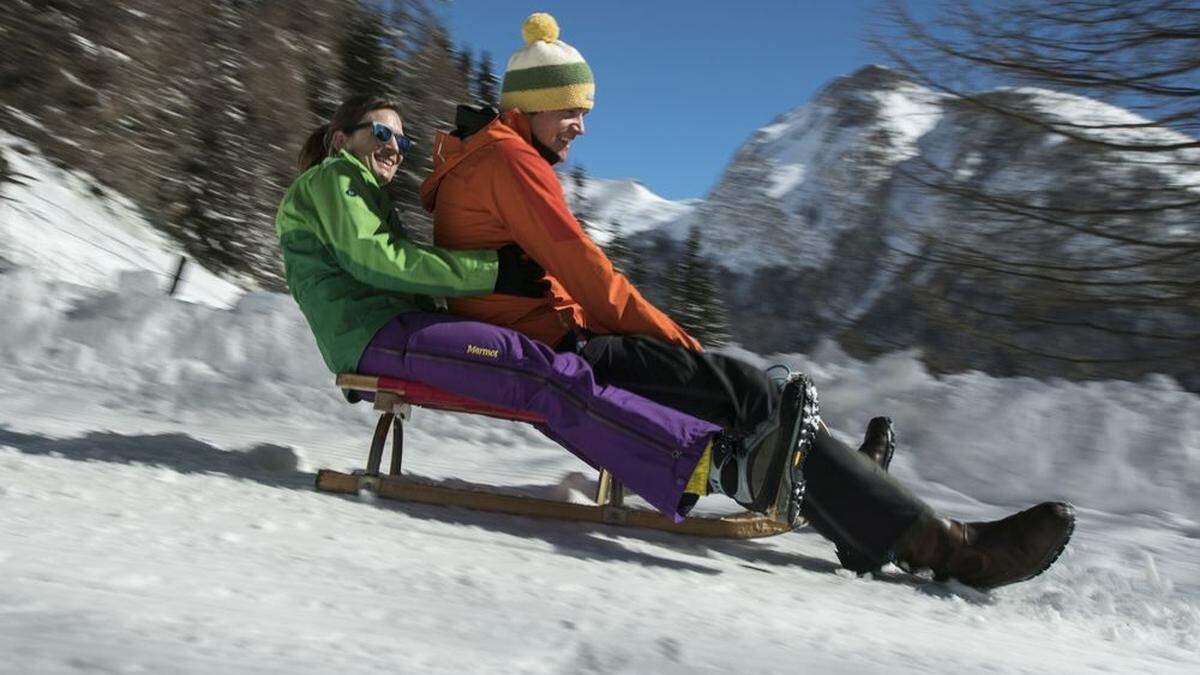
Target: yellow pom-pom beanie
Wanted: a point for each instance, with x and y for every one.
(547, 73)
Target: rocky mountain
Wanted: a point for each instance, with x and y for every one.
(827, 226)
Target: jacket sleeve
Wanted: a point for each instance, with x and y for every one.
(529, 199)
(362, 246)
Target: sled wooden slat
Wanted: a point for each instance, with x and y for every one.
(739, 526)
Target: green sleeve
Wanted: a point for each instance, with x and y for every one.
(361, 244)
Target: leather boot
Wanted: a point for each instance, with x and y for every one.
(988, 555)
(879, 443)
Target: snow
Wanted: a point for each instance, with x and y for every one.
(157, 514)
(784, 179)
(627, 202)
(67, 226)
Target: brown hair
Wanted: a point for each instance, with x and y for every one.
(317, 146)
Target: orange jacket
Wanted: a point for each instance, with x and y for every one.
(494, 189)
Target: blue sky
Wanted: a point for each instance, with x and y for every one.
(681, 84)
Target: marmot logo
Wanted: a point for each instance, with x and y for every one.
(480, 351)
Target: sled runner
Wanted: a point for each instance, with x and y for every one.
(394, 399)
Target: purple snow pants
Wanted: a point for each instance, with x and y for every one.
(650, 448)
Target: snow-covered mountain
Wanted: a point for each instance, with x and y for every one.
(624, 205)
(814, 173)
(784, 199)
(826, 227)
(157, 511)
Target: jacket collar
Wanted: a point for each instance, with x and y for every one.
(449, 150)
(356, 162)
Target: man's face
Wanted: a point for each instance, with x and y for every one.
(555, 129)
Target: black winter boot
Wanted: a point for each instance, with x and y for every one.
(991, 554)
(879, 443)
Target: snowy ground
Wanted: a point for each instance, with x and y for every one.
(157, 515)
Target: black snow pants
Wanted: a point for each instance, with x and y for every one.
(850, 500)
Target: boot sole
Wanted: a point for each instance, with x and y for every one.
(784, 506)
(1053, 557)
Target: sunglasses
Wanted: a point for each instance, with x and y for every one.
(383, 133)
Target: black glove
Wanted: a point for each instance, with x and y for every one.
(519, 274)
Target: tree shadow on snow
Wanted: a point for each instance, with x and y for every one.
(277, 466)
(272, 465)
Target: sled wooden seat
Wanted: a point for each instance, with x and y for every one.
(394, 398)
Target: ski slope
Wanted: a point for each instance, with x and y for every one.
(157, 515)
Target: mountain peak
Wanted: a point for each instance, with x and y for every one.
(873, 76)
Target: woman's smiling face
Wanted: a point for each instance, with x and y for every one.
(381, 158)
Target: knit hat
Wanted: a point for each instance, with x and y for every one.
(547, 73)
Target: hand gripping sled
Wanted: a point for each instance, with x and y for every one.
(394, 399)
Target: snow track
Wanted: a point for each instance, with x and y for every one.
(145, 539)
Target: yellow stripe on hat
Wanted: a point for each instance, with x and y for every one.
(552, 98)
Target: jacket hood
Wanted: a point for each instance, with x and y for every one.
(449, 150)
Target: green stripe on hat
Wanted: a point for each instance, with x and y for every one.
(545, 77)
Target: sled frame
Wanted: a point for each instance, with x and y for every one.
(394, 399)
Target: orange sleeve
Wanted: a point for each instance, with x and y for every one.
(528, 198)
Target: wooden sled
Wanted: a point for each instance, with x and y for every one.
(394, 399)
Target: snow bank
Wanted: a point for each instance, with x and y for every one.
(66, 226)
(139, 341)
(1113, 446)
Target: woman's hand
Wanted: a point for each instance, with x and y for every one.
(519, 274)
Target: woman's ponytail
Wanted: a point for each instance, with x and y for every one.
(315, 148)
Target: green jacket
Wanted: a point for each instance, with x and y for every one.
(348, 275)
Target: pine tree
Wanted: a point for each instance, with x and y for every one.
(622, 254)
(466, 64)
(487, 86)
(694, 299)
(431, 84)
(216, 211)
(365, 68)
